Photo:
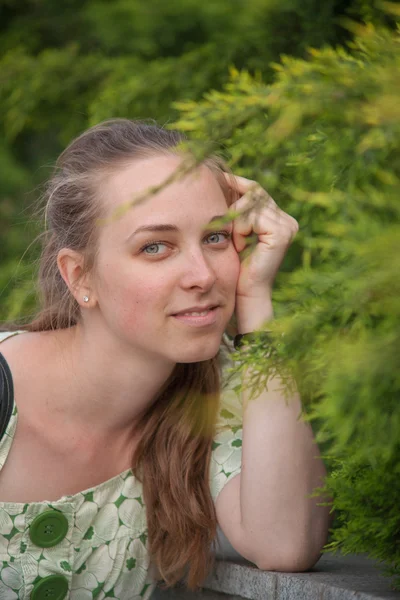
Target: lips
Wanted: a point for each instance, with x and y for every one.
(207, 318)
(196, 309)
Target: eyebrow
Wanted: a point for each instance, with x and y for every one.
(164, 227)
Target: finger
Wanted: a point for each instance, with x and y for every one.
(267, 222)
(247, 186)
(270, 208)
(255, 192)
(279, 217)
(241, 230)
(281, 228)
(240, 183)
(250, 222)
(243, 223)
(267, 226)
(250, 213)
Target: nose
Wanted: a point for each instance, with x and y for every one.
(198, 272)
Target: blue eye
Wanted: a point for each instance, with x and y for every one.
(151, 247)
(226, 234)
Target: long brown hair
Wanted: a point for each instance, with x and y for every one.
(172, 458)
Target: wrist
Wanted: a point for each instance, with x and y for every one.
(242, 339)
(253, 314)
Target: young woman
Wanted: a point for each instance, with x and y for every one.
(118, 457)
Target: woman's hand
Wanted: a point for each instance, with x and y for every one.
(274, 231)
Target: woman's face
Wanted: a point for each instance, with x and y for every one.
(157, 260)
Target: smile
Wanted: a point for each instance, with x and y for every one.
(199, 319)
(197, 314)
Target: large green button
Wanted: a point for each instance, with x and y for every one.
(53, 587)
(48, 528)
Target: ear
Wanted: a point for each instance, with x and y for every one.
(70, 264)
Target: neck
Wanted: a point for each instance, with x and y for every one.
(107, 385)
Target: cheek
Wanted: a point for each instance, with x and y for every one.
(133, 307)
(132, 311)
(139, 295)
(127, 297)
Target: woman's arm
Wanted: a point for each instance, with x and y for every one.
(265, 512)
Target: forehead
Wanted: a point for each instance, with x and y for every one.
(197, 195)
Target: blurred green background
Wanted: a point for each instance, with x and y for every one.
(300, 95)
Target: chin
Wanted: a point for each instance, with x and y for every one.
(193, 354)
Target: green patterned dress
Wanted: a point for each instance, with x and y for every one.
(103, 550)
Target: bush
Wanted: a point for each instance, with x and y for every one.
(65, 68)
(324, 140)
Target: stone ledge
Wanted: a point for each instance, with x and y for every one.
(334, 577)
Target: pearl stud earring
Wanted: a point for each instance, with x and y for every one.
(86, 298)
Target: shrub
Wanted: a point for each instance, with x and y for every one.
(324, 140)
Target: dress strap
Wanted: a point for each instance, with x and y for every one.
(6, 395)
(6, 386)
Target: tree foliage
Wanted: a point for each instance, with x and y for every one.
(324, 140)
(66, 67)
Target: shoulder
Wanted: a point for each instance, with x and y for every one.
(29, 358)
(10, 345)
(4, 335)
(17, 346)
